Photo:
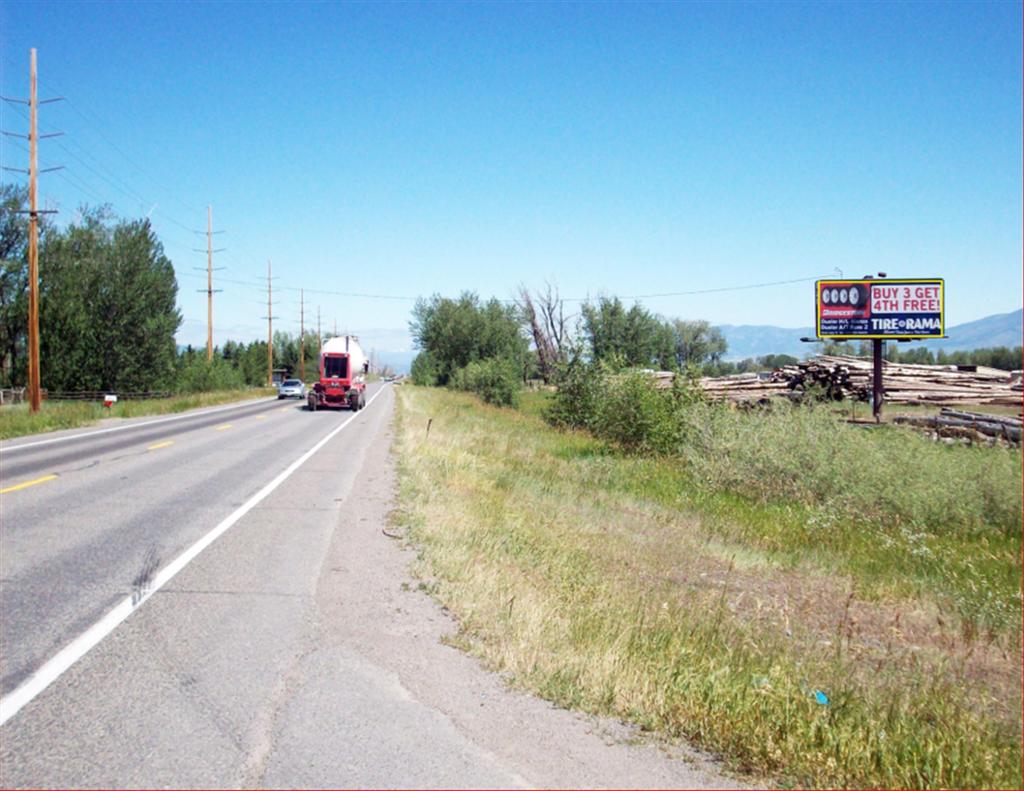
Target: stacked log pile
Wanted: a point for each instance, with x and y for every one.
(945, 385)
(840, 377)
(974, 426)
(746, 387)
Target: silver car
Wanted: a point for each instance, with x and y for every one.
(291, 388)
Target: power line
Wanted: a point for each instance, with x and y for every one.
(709, 290)
(96, 126)
(114, 181)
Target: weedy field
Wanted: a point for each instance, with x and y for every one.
(815, 622)
(16, 420)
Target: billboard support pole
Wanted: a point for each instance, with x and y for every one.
(877, 390)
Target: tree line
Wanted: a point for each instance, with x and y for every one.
(237, 365)
(107, 302)
(108, 294)
(493, 346)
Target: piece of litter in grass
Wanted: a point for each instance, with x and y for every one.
(821, 697)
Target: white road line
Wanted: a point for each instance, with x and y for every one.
(124, 428)
(25, 692)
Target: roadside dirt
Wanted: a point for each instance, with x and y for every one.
(369, 600)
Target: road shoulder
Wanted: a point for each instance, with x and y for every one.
(370, 603)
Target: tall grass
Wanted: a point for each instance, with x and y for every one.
(16, 420)
(614, 584)
(888, 505)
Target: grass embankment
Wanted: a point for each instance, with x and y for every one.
(716, 610)
(16, 420)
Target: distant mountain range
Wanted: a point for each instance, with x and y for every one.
(400, 362)
(749, 340)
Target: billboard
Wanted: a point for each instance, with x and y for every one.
(855, 309)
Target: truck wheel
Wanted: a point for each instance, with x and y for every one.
(311, 405)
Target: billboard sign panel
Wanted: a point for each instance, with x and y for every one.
(855, 309)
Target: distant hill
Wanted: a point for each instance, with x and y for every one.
(400, 362)
(1002, 329)
(758, 340)
(751, 340)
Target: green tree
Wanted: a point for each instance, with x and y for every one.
(773, 361)
(14, 283)
(697, 343)
(456, 332)
(107, 307)
(633, 338)
(253, 363)
(424, 369)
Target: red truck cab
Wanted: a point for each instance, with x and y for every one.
(341, 378)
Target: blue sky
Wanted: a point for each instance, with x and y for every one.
(622, 149)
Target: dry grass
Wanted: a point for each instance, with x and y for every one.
(17, 421)
(568, 575)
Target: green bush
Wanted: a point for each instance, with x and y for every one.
(497, 381)
(424, 369)
(196, 375)
(575, 403)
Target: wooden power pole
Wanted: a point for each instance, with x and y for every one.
(270, 329)
(210, 290)
(34, 376)
(35, 394)
(209, 283)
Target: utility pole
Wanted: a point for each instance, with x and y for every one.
(35, 394)
(335, 328)
(210, 290)
(209, 283)
(877, 387)
(302, 335)
(33, 102)
(270, 328)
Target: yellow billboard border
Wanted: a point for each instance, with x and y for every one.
(886, 281)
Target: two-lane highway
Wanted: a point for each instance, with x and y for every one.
(211, 602)
(89, 517)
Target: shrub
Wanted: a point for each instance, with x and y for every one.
(495, 380)
(424, 369)
(575, 403)
(196, 375)
(637, 416)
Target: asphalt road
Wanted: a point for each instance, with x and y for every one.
(122, 504)
(293, 651)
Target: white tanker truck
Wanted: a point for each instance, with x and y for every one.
(343, 367)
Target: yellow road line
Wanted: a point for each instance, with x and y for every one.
(286, 409)
(161, 445)
(225, 427)
(261, 417)
(25, 485)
